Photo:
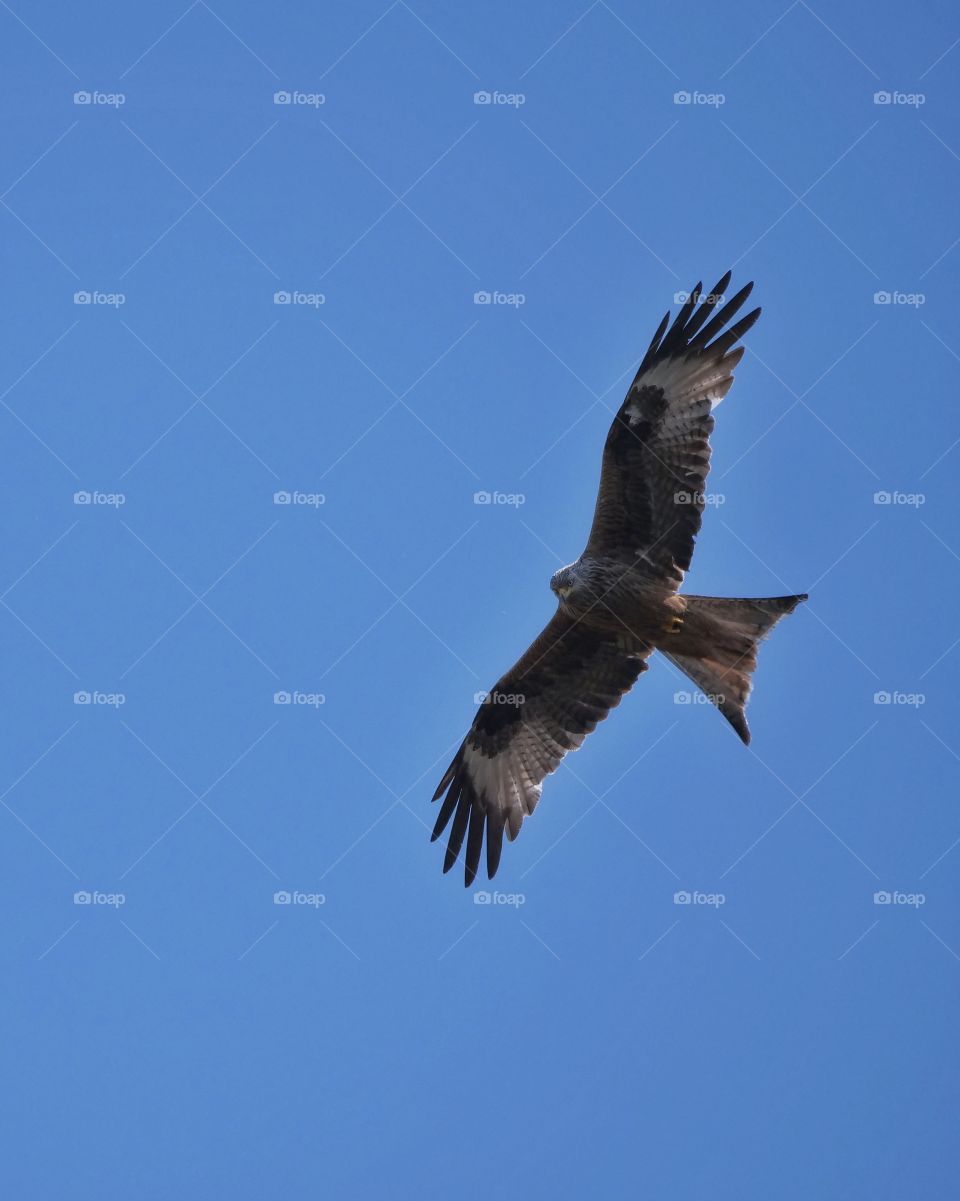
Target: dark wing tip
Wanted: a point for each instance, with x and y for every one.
(471, 818)
(699, 319)
(448, 776)
(655, 341)
(494, 845)
(720, 319)
(724, 282)
(474, 844)
(446, 809)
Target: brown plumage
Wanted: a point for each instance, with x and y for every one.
(620, 601)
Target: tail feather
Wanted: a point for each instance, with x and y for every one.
(717, 648)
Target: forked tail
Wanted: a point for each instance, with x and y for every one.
(717, 647)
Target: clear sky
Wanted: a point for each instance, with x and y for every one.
(173, 1031)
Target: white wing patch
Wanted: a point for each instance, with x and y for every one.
(686, 384)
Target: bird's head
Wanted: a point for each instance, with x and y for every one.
(563, 582)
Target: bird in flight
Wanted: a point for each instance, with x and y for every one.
(620, 601)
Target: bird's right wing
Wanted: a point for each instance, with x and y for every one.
(545, 705)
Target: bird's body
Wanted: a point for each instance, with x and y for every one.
(620, 600)
(615, 595)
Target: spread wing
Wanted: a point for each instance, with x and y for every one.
(545, 705)
(657, 453)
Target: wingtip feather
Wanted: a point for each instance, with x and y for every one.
(447, 777)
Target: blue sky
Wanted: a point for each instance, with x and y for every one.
(171, 178)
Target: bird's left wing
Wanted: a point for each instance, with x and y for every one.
(657, 453)
(545, 705)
